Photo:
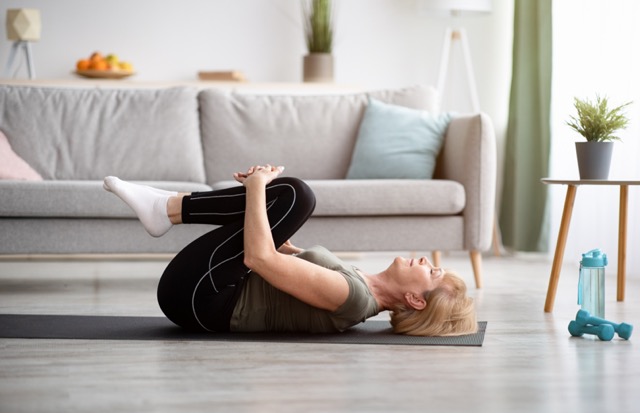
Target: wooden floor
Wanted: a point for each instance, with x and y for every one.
(528, 363)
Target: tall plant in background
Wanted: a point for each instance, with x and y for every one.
(318, 25)
(318, 30)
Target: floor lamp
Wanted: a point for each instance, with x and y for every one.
(23, 27)
(451, 37)
(455, 36)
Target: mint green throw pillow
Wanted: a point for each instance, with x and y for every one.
(396, 142)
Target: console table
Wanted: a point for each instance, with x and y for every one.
(572, 186)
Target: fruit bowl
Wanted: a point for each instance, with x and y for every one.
(104, 74)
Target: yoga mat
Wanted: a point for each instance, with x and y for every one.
(160, 328)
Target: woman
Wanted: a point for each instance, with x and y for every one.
(246, 275)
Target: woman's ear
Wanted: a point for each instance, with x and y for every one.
(416, 302)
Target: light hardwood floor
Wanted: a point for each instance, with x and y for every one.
(528, 363)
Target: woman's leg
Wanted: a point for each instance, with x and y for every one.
(200, 286)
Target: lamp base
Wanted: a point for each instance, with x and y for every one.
(15, 48)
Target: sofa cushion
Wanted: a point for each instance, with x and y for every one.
(90, 236)
(80, 133)
(395, 142)
(72, 199)
(387, 197)
(382, 197)
(240, 130)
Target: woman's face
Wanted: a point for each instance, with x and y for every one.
(416, 274)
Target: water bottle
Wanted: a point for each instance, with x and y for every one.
(591, 282)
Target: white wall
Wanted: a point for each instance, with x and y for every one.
(596, 52)
(379, 43)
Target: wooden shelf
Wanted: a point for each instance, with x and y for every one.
(249, 87)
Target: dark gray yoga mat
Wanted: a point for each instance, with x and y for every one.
(160, 328)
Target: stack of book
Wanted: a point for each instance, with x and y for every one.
(226, 76)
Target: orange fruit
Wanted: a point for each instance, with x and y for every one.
(95, 56)
(98, 65)
(83, 64)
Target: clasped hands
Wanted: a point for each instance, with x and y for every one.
(264, 174)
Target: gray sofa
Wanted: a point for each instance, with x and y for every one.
(191, 139)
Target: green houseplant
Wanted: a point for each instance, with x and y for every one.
(318, 28)
(597, 123)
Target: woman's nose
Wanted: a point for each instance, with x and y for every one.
(425, 261)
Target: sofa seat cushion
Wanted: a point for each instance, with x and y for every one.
(72, 199)
(382, 197)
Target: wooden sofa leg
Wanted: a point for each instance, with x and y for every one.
(436, 257)
(476, 263)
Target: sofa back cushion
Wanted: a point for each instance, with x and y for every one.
(85, 134)
(313, 136)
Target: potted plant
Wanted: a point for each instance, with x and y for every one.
(318, 27)
(597, 124)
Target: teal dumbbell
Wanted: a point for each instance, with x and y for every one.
(624, 330)
(604, 332)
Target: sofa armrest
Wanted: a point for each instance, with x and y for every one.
(469, 156)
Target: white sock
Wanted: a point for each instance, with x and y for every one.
(157, 190)
(149, 204)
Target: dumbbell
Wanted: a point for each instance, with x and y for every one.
(624, 330)
(604, 332)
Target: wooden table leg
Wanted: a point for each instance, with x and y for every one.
(622, 241)
(559, 254)
(476, 264)
(436, 256)
(496, 241)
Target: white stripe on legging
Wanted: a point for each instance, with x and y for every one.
(208, 273)
(224, 213)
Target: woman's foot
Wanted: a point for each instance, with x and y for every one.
(149, 204)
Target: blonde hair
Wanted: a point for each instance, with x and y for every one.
(449, 312)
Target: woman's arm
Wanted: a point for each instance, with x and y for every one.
(258, 241)
(310, 283)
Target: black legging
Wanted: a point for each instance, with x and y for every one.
(201, 285)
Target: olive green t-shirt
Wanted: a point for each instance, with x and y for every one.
(262, 307)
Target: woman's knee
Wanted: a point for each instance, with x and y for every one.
(304, 194)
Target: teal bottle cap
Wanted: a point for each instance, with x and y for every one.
(594, 258)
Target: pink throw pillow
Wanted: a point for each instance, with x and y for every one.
(12, 166)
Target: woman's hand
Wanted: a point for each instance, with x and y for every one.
(289, 249)
(258, 173)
